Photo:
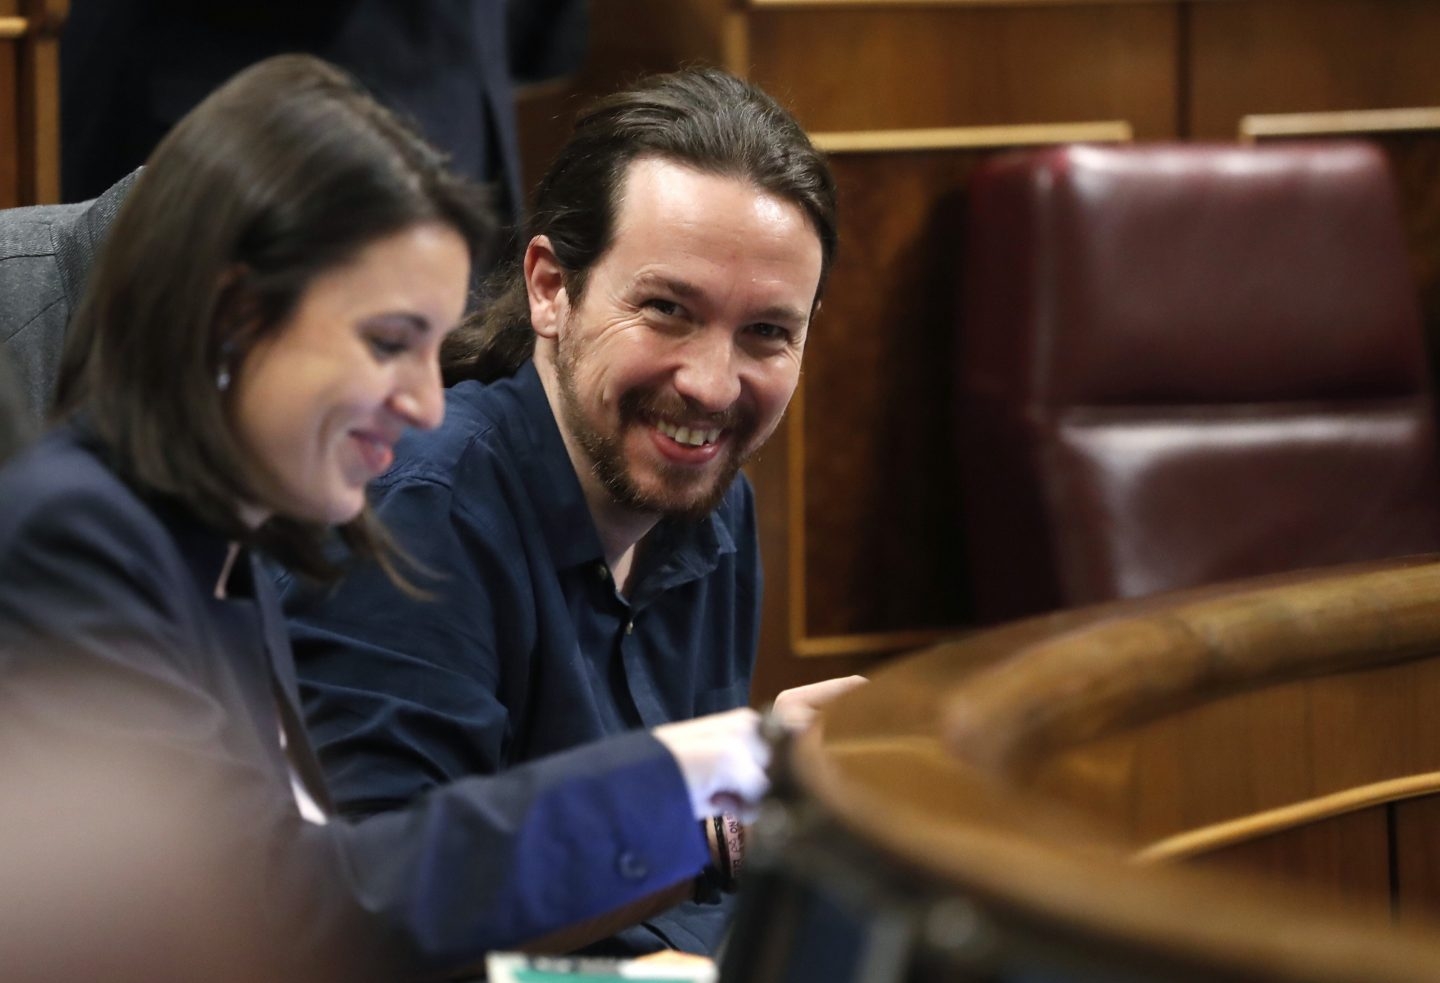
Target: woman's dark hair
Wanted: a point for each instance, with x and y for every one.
(703, 118)
(288, 170)
(14, 419)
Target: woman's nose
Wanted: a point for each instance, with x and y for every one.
(420, 398)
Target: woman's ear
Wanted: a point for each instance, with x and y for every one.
(236, 317)
(545, 286)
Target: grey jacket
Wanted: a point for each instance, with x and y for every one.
(45, 255)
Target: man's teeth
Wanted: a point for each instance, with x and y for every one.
(687, 436)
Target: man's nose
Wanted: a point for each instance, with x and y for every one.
(419, 397)
(708, 375)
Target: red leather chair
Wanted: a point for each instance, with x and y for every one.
(1184, 363)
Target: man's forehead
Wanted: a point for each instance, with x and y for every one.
(648, 179)
(653, 180)
(663, 202)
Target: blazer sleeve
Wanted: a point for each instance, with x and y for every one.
(99, 650)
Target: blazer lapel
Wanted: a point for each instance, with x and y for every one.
(287, 691)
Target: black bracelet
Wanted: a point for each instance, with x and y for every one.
(722, 849)
(709, 885)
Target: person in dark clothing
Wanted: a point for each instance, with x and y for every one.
(131, 68)
(593, 542)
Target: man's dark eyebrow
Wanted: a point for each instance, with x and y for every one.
(783, 316)
(688, 291)
(680, 288)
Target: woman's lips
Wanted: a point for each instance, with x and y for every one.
(376, 452)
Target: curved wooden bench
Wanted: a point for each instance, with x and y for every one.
(1018, 804)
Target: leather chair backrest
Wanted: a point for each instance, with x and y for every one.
(1182, 364)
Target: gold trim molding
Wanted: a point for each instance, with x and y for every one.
(1348, 123)
(1217, 836)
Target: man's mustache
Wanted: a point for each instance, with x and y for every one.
(641, 404)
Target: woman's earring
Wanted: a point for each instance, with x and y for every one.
(222, 377)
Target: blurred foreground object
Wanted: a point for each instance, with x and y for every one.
(118, 864)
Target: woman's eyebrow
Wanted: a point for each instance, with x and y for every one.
(410, 319)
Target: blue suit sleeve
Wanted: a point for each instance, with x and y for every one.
(104, 654)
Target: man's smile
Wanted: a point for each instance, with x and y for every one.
(689, 436)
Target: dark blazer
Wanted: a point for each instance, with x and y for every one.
(131, 68)
(102, 584)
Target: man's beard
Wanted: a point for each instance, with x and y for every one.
(683, 494)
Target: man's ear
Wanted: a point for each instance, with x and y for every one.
(545, 286)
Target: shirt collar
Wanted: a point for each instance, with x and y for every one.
(680, 550)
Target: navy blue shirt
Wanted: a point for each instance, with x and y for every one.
(525, 646)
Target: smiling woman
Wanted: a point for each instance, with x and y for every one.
(261, 327)
(321, 403)
(243, 215)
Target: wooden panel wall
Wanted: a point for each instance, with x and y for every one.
(30, 101)
(9, 107)
(1344, 860)
(1417, 866)
(858, 491)
(876, 418)
(1289, 56)
(898, 67)
(1327, 783)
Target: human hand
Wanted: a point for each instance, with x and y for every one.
(795, 708)
(722, 759)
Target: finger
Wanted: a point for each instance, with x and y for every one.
(816, 694)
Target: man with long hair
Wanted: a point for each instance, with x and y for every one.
(580, 521)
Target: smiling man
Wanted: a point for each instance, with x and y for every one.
(579, 523)
(678, 358)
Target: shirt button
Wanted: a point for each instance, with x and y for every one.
(632, 866)
(630, 627)
(602, 571)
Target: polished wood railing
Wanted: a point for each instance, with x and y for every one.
(1232, 783)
